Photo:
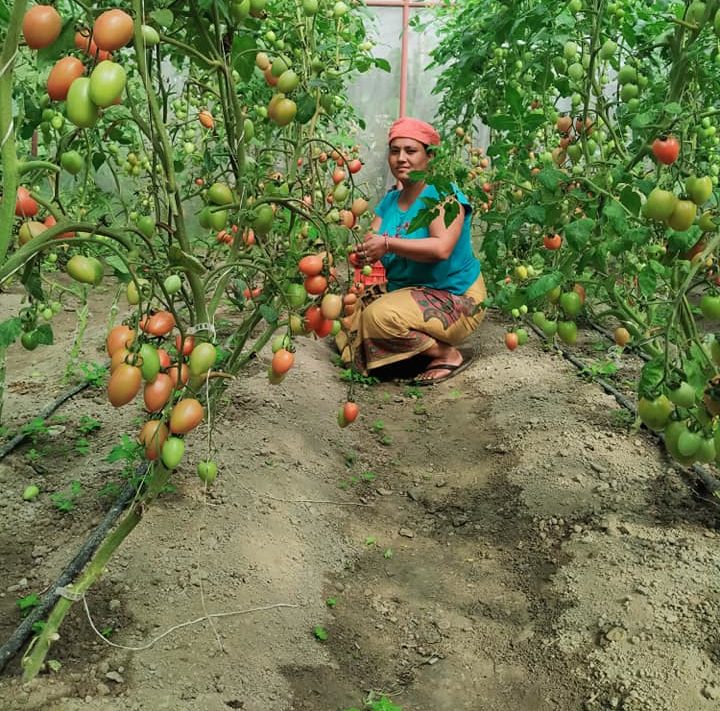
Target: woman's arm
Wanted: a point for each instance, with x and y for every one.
(435, 248)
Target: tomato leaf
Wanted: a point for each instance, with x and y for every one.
(383, 64)
(269, 313)
(31, 280)
(535, 214)
(9, 331)
(631, 200)
(615, 216)
(44, 335)
(651, 378)
(243, 58)
(578, 233)
(117, 264)
(501, 122)
(551, 178)
(540, 287)
(647, 281)
(164, 17)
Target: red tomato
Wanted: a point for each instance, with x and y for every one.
(119, 337)
(511, 341)
(313, 318)
(552, 242)
(311, 265)
(153, 435)
(338, 175)
(666, 149)
(164, 358)
(324, 328)
(124, 384)
(350, 411)
(186, 416)
(315, 285)
(25, 206)
(41, 26)
(88, 46)
(354, 165)
(157, 393)
(64, 73)
(159, 324)
(282, 361)
(184, 375)
(187, 345)
(112, 30)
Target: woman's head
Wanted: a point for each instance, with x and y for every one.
(410, 145)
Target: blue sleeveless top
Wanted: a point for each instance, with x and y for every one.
(455, 274)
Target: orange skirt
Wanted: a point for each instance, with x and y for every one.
(390, 326)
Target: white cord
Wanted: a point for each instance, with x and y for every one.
(177, 627)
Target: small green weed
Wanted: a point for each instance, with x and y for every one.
(384, 704)
(605, 369)
(348, 375)
(64, 501)
(94, 373)
(413, 391)
(378, 426)
(331, 602)
(35, 429)
(321, 634)
(87, 425)
(82, 446)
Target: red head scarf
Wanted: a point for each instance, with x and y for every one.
(407, 127)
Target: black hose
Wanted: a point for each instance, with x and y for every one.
(24, 629)
(18, 439)
(711, 484)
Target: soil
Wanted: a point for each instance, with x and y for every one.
(503, 541)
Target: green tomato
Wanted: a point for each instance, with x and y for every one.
(80, 108)
(570, 303)
(150, 365)
(710, 307)
(207, 471)
(31, 492)
(150, 35)
(173, 284)
(280, 342)
(172, 452)
(707, 452)
(660, 204)
(202, 358)
(288, 81)
(655, 413)
(72, 162)
(627, 75)
(538, 318)
(218, 219)
(107, 82)
(29, 340)
(608, 49)
(570, 50)
(688, 443)
(629, 92)
(699, 190)
(672, 433)
(683, 395)
(310, 7)
(567, 332)
(84, 269)
(220, 194)
(264, 217)
(146, 225)
(295, 295)
(522, 336)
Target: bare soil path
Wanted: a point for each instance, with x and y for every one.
(499, 542)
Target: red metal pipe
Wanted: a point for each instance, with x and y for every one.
(404, 57)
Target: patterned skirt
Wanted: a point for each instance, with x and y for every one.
(388, 327)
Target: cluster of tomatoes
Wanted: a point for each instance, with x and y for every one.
(138, 362)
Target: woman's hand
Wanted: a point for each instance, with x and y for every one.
(373, 247)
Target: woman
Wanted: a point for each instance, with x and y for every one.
(435, 289)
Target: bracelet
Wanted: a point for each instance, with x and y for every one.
(387, 246)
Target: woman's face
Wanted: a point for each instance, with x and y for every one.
(405, 156)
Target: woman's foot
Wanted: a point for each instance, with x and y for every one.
(446, 360)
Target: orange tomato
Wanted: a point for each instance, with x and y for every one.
(350, 411)
(187, 345)
(41, 26)
(315, 285)
(113, 29)
(552, 242)
(153, 435)
(185, 416)
(124, 384)
(184, 375)
(64, 72)
(157, 393)
(282, 361)
(206, 119)
(25, 205)
(311, 265)
(119, 337)
(159, 324)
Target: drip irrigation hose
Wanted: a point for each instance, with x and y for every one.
(18, 439)
(711, 484)
(25, 628)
